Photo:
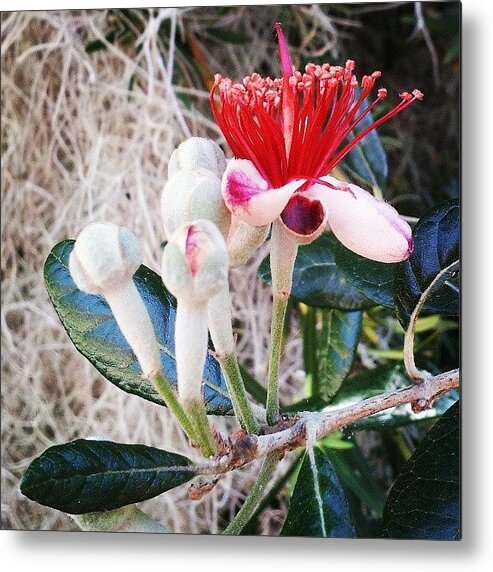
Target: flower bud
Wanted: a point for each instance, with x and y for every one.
(195, 262)
(195, 153)
(104, 254)
(191, 195)
(103, 261)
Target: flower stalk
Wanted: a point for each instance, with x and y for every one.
(191, 352)
(220, 327)
(255, 496)
(282, 258)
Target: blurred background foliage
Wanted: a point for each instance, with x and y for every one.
(413, 44)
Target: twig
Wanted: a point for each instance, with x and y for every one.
(251, 447)
(422, 28)
(414, 373)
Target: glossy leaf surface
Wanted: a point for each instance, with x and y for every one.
(424, 502)
(93, 330)
(318, 506)
(91, 476)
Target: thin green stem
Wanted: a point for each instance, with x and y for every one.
(255, 496)
(277, 328)
(197, 413)
(283, 251)
(166, 392)
(238, 394)
(220, 320)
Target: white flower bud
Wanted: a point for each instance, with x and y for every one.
(103, 261)
(195, 262)
(197, 152)
(194, 269)
(104, 254)
(191, 195)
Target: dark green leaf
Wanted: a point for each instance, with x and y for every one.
(330, 338)
(313, 403)
(374, 279)
(424, 502)
(309, 332)
(353, 472)
(253, 387)
(94, 332)
(91, 476)
(367, 162)
(380, 380)
(433, 264)
(338, 341)
(317, 281)
(318, 506)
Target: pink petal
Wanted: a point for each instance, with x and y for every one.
(248, 196)
(368, 226)
(305, 216)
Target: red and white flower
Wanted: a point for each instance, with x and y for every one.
(287, 134)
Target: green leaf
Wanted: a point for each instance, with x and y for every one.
(317, 281)
(253, 387)
(93, 330)
(330, 339)
(380, 380)
(367, 162)
(353, 472)
(318, 506)
(374, 279)
(433, 265)
(313, 403)
(424, 502)
(125, 519)
(337, 347)
(92, 476)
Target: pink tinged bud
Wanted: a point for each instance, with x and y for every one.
(368, 226)
(248, 196)
(198, 248)
(195, 262)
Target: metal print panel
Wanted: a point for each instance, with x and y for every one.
(230, 270)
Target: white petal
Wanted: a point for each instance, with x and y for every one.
(368, 226)
(248, 196)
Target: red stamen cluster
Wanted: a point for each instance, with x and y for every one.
(297, 126)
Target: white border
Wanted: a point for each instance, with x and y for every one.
(41, 551)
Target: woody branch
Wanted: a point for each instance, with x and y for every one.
(251, 447)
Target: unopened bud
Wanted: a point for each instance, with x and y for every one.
(195, 262)
(103, 261)
(197, 153)
(191, 195)
(104, 254)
